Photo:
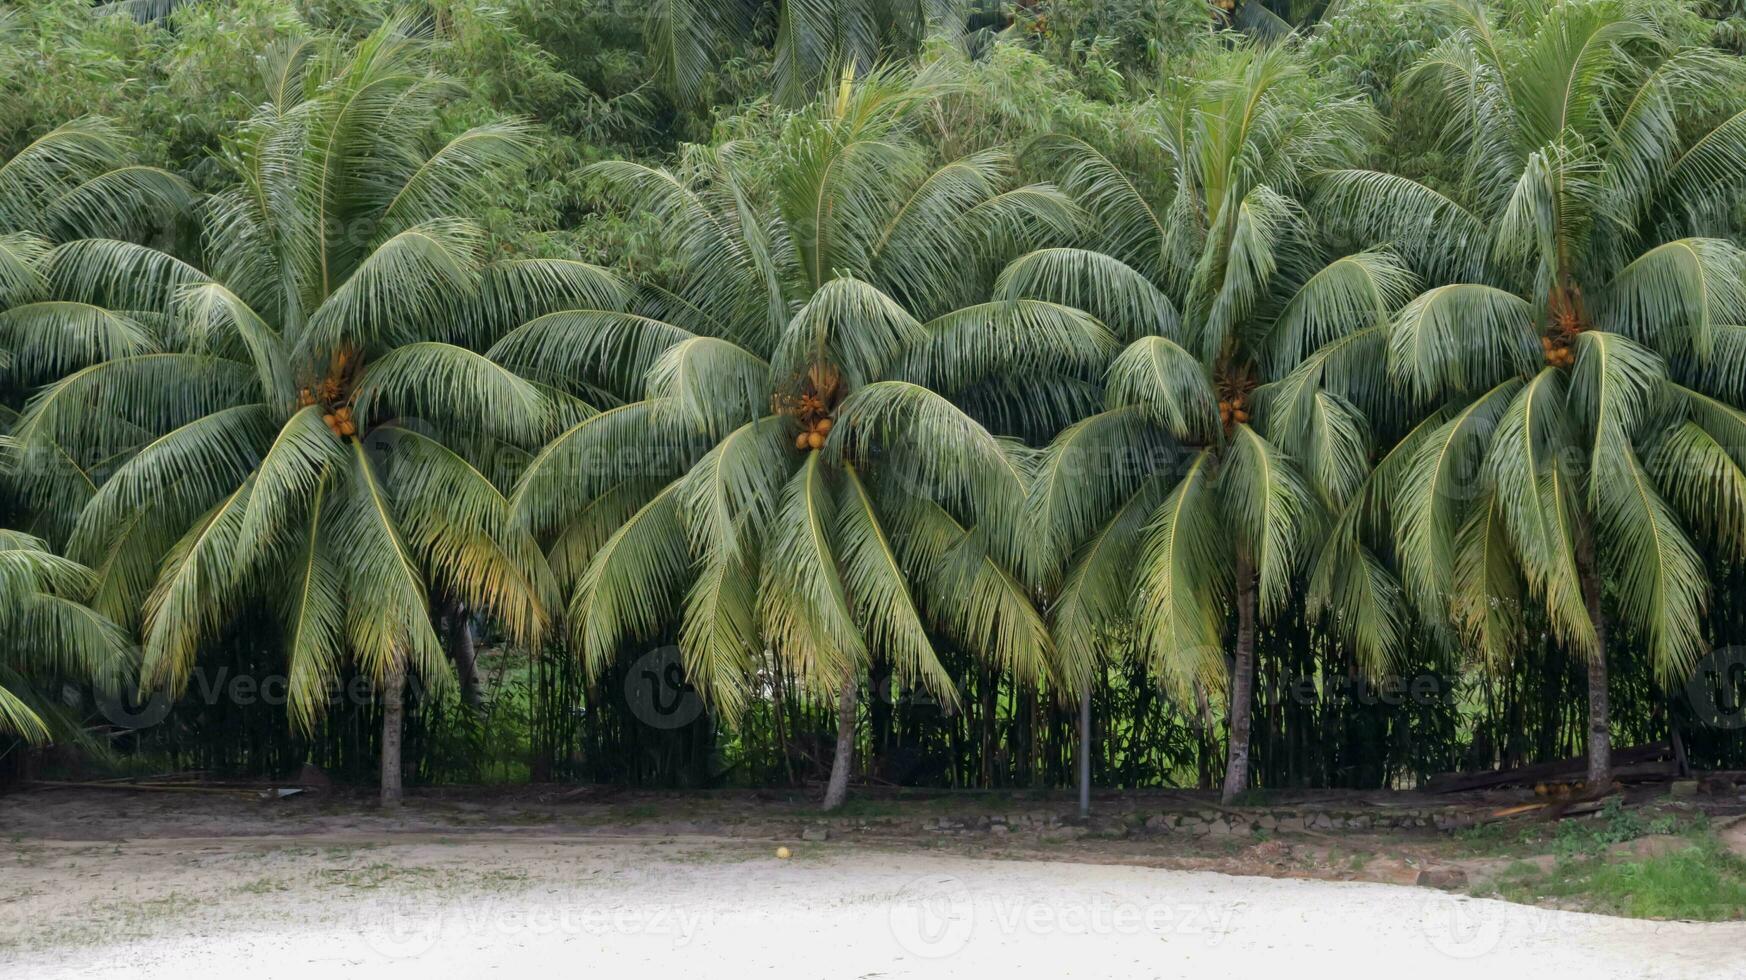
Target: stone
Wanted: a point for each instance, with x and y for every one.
(998, 830)
(1683, 787)
(1158, 823)
(1110, 829)
(815, 834)
(1442, 876)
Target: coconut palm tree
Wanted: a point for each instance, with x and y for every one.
(1578, 360)
(797, 450)
(49, 631)
(296, 423)
(1197, 493)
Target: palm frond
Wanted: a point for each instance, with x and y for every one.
(1100, 284)
(1184, 575)
(1168, 385)
(802, 602)
(452, 386)
(1461, 338)
(1272, 510)
(879, 592)
(632, 584)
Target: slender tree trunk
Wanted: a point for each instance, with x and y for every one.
(838, 788)
(393, 717)
(783, 720)
(464, 654)
(1085, 754)
(1600, 731)
(1242, 686)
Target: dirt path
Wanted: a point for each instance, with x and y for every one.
(431, 906)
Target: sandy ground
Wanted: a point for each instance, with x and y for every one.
(508, 903)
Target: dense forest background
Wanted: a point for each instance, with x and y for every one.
(609, 79)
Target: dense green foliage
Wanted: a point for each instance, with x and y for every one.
(1333, 392)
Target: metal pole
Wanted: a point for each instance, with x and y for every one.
(1085, 753)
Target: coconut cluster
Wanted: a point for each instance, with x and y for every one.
(1557, 350)
(1234, 410)
(811, 407)
(814, 436)
(1567, 321)
(331, 393)
(338, 419)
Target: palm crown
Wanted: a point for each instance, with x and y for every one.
(1183, 475)
(243, 433)
(797, 453)
(1578, 361)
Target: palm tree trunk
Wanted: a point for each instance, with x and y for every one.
(465, 655)
(1600, 736)
(1085, 753)
(393, 715)
(1242, 686)
(838, 788)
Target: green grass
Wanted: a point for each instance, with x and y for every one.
(1700, 881)
(1586, 837)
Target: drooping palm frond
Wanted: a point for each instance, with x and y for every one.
(874, 576)
(1186, 575)
(50, 632)
(1168, 385)
(1272, 508)
(1462, 337)
(802, 601)
(78, 181)
(1100, 284)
